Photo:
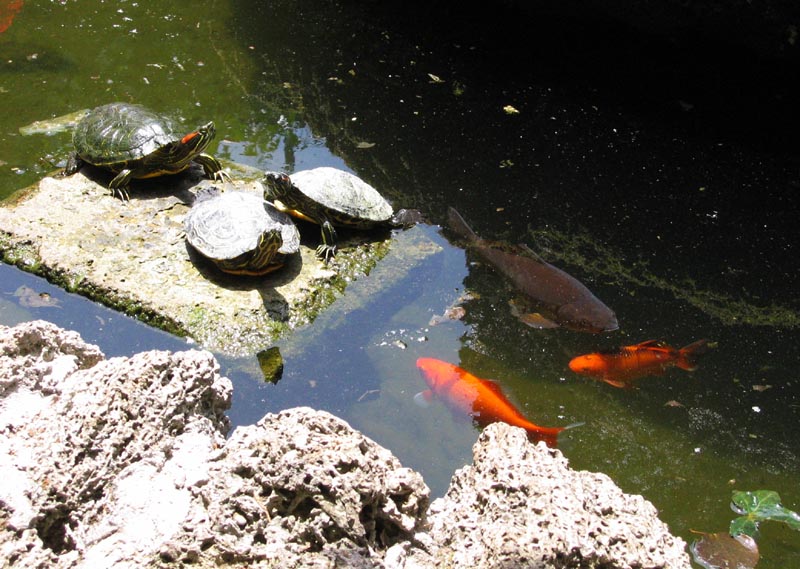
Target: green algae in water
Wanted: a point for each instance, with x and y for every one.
(580, 249)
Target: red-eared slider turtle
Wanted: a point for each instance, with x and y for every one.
(240, 232)
(329, 197)
(134, 142)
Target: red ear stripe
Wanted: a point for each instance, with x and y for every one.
(188, 137)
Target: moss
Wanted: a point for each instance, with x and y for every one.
(351, 264)
(26, 257)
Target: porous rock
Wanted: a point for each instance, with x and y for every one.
(544, 514)
(302, 488)
(124, 463)
(98, 457)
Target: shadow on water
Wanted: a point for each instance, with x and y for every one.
(662, 172)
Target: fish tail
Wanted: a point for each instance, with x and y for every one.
(460, 226)
(547, 434)
(688, 355)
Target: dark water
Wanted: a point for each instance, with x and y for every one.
(664, 175)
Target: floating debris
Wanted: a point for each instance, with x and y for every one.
(451, 313)
(54, 125)
(29, 298)
(723, 550)
(369, 395)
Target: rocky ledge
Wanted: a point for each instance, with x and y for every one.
(133, 256)
(125, 463)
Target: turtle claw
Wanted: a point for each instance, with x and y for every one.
(326, 252)
(121, 193)
(221, 176)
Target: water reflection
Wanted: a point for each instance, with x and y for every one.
(25, 297)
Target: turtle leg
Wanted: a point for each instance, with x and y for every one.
(327, 249)
(212, 167)
(119, 185)
(73, 165)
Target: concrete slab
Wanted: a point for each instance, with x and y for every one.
(132, 256)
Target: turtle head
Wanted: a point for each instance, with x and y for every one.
(276, 185)
(197, 140)
(184, 150)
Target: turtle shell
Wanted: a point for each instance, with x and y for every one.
(118, 133)
(345, 198)
(241, 233)
(134, 142)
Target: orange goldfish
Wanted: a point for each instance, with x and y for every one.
(479, 398)
(620, 366)
(8, 9)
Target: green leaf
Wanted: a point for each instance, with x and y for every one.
(759, 506)
(743, 525)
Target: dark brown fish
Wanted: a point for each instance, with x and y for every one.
(561, 300)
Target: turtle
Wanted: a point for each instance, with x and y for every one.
(331, 197)
(240, 232)
(135, 142)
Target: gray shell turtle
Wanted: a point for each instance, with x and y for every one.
(328, 197)
(241, 233)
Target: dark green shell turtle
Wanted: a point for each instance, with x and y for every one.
(134, 142)
(241, 233)
(328, 197)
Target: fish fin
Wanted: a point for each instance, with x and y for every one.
(687, 358)
(619, 384)
(575, 425)
(497, 391)
(532, 319)
(548, 435)
(651, 344)
(494, 387)
(423, 398)
(531, 253)
(460, 226)
(536, 320)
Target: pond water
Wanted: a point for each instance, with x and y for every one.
(664, 177)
